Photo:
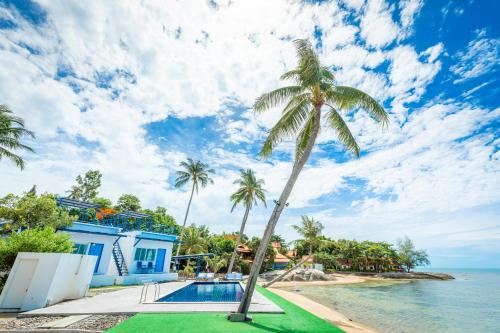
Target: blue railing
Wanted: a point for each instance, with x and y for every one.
(127, 221)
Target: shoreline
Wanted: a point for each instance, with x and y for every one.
(326, 313)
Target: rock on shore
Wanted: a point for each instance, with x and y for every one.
(299, 274)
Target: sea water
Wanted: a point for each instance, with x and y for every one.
(470, 303)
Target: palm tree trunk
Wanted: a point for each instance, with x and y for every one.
(185, 219)
(238, 240)
(273, 220)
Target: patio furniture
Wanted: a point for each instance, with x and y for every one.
(201, 276)
(210, 276)
(234, 277)
(140, 267)
(150, 267)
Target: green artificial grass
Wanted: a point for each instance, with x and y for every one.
(295, 319)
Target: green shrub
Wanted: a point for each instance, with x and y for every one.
(32, 240)
(327, 260)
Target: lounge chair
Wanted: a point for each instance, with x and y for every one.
(210, 276)
(234, 277)
(201, 276)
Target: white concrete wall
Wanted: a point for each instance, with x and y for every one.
(128, 249)
(107, 265)
(55, 277)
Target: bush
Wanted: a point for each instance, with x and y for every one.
(32, 240)
(327, 260)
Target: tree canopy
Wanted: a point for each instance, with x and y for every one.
(128, 202)
(87, 186)
(32, 211)
(409, 256)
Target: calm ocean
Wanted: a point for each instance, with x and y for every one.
(470, 303)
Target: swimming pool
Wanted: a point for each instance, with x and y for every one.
(206, 292)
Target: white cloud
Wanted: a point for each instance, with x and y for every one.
(481, 57)
(409, 10)
(377, 26)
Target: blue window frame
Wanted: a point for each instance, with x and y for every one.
(142, 254)
(80, 249)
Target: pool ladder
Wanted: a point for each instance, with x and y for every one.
(144, 291)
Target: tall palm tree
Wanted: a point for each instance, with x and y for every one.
(198, 174)
(313, 94)
(310, 229)
(11, 131)
(248, 194)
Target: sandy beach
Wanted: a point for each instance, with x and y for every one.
(326, 313)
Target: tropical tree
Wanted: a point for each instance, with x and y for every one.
(128, 202)
(32, 211)
(248, 194)
(194, 242)
(409, 256)
(314, 93)
(310, 230)
(11, 131)
(87, 186)
(198, 174)
(216, 263)
(103, 202)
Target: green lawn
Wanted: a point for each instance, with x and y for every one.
(295, 319)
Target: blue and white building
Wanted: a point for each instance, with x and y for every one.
(129, 249)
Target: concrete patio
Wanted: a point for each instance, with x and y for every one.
(126, 301)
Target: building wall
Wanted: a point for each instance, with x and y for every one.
(55, 277)
(128, 249)
(106, 264)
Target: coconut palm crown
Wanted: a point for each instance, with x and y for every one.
(250, 190)
(310, 229)
(314, 92)
(11, 131)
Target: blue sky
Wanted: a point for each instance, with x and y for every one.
(132, 89)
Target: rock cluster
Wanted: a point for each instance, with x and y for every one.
(298, 274)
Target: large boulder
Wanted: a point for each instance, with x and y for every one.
(298, 277)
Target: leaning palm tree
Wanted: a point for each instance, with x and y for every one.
(310, 230)
(248, 194)
(313, 94)
(197, 173)
(11, 131)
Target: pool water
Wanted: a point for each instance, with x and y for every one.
(206, 292)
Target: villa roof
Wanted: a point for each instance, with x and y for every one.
(281, 258)
(243, 249)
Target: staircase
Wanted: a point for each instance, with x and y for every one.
(119, 260)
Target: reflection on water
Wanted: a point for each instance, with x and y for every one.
(471, 303)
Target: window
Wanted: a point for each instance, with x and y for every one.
(80, 249)
(142, 254)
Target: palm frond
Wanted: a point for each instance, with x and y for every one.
(344, 134)
(346, 98)
(288, 125)
(275, 97)
(18, 160)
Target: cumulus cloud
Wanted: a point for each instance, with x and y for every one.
(480, 57)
